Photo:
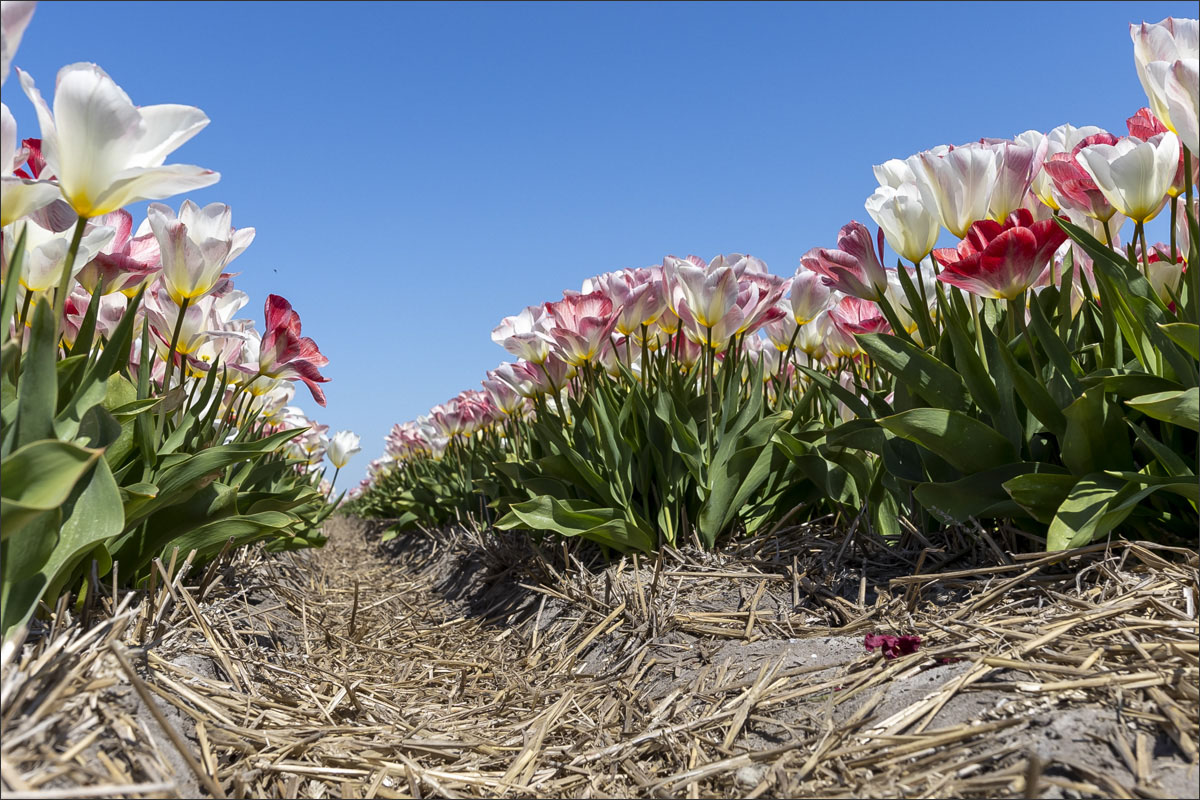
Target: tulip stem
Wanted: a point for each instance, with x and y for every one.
(21, 332)
(1140, 230)
(978, 329)
(1108, 240)
(333, 482)
(64, 281)
(708, 429)
(1193, 276)
(1174, 217)
(166, 385)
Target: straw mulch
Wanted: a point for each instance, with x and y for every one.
(469, 665)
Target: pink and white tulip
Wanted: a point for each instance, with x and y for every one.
(195, 246)
(526, 335)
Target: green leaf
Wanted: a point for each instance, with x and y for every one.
(966, 358)
(38, 385)
(1034, 395)
(1040, 494)
(979, 495)
(734, 477)
(1187, 489)
(38, 562)
(1178, 408)
(209, 539)
(93, 518)
(1184, 334)
(182, 474)
(966, 443)
(1166, 456)
(1095, 438)
(578, 518)
(12, 280)
(926, 376)
(39, 477)
(1101, 501)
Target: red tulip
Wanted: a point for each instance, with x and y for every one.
(284, 353)
(1001, 261)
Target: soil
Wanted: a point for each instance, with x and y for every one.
(470, 664)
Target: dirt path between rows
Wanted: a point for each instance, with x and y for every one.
(455, 665)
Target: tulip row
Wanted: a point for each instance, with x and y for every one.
(1039, 374)
(141, 419)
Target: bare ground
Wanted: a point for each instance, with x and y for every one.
(469, 665)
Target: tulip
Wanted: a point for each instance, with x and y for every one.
(1062, 139)
(961, 181)
(582, 324)
(1181, 89)
(1001, 261)
(1133, 175)
(109, 313)
(550, 376)
(343, 445)
(707, 294)
(1166, 55)
(853, 268)
(896, 172)
(126, 262)
(814, 336)
(1165, 278)
(284, 353)
(759, 294)
(526, 335)
(810, 295)
(1076, 193)
(107, 152)
(14, 18)
(195, 246)
(517, 376)
(179, 331)
(46, 252)
(503, 394)
(855, 315)
(20, 196)
(1017, 162)
(1144, 125)
(636, 294)
(781, 332)
(907, 216)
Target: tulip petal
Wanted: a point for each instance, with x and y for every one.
(153, 183)
(167, 127)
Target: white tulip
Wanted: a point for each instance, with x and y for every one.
(342, 446)
(1133, 175)
(14, 17)
(106, 152)
(908, 218)
(1166, 55)
(962, 181)
(46, 252)
(1180, 93)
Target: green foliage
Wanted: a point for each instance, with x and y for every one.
(87, 474)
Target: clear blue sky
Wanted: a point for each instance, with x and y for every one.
(416, 172)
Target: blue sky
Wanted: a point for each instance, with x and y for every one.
(416, 172)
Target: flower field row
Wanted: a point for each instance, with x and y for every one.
(141, 417)
(1042, 373)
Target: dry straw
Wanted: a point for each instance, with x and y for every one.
(473, 666)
